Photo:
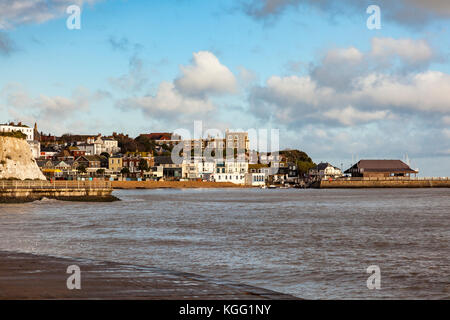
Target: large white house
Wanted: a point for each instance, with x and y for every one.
(35, 146)
(230, 170)
(95, 146)
(325, 171)
(11, 127)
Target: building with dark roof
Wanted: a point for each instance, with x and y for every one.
(380, 169)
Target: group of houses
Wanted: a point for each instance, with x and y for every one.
(90, 157)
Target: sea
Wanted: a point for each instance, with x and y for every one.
(313, 244)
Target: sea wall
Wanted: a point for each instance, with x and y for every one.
(21, 195)
(419, 183)
(16, 160)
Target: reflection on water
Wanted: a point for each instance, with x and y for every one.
(309, 243)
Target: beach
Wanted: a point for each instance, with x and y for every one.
(171, 184)
(29, 276)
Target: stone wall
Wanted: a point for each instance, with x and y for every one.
(19, 195)
(16, 160)
(423, 183)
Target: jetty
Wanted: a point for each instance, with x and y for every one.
(382, 182)
(16, 191)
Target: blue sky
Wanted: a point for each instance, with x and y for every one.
(333, 88)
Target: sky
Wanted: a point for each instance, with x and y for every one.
(311, 69)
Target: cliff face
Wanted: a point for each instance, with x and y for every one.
(16, 160)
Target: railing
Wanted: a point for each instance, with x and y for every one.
(392, 179)
(68, 184)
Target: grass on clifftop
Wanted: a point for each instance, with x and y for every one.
(14, 134)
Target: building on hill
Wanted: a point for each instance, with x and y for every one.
(11, 127)
(380, 169)
(161, 138)
(237, 140)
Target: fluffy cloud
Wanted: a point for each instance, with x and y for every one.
(49, 108)
(190, 95)
(206, 75)
(349, 87)
(293, 100)
(412, 51)
(340, 67)
(413, 13)
(168, 102)
(17, 12)
(349, 115)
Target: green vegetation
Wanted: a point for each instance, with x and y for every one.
(125, 170)
(143, 165)
(301, 158)
(14, 134)
(81, 168)
(101, 171)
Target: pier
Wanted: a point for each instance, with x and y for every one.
(14, 191)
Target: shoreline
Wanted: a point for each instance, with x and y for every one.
(173, 185)
(26, 276)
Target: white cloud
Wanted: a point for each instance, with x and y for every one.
(168, 102)
(339, 55)
(293, 100)
(412, 51)
(49, 108)
(426, 91)
(412, 13)
(17, 12)
(350, 116)
(205, 76)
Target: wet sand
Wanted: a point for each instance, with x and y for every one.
(28, 276)
(171, 184)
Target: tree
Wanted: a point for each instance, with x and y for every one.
(105, 154)
(101, 171)
(304, 166)
(125, 171)
(82, 168)
(143, 166)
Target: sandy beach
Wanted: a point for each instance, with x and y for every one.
(171, 184)
(28, 276)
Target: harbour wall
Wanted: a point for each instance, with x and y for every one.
(383, 183)
(28, 191)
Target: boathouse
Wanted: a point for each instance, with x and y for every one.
(380, 169)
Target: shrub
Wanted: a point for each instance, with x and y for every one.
(14, 134)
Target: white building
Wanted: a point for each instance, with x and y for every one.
(35, 146)
(232, 170)
(255, 179)
(325, 170)
(98, 145)
(29, 132)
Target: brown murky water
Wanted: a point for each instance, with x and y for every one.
(309, 243)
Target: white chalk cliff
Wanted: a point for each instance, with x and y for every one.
(16, 160)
